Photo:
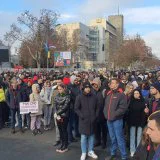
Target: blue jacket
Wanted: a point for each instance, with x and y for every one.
(157, 154)
(14, 97)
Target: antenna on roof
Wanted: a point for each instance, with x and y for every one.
(118, 8)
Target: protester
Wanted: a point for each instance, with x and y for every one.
(101, 130)
(154, 132)
(86, 106)
(114, 110)
(55, 93)
(154, 103)
(61, 104)
(75, 90)
(46, 96)
(36, 117)
(136, 119)
(146, 148)
(14, 96)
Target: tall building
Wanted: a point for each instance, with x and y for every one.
(117, 22)
(78, 34)
(109, 37)
(97, 41)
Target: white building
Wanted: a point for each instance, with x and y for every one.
(98, 41)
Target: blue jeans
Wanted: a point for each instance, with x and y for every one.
(115, 129)
(87, 140)
(70, 125)
(47, 109)
(13, 118)
(73, 125)
(133, 141)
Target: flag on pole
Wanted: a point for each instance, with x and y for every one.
(46, 48)
(49, 54)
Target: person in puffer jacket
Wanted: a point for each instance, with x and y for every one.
(46, 96)
(62, 107)
(36, 117)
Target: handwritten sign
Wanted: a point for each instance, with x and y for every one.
(28, 107)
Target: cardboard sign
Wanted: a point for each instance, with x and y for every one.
(28, 107)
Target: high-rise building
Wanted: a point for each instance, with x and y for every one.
(99, 40)
(117, 22)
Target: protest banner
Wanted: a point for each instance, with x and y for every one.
(28, 107)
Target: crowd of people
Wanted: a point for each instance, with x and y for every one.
(107, 109)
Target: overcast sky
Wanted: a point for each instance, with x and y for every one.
(140, 16)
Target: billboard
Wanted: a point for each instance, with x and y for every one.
(4, 55)
(62, 59)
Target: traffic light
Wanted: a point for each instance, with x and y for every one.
(103, 47)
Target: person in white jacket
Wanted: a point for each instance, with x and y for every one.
(36, 117)
(46, 96)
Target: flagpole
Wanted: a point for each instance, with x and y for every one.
(47, 61)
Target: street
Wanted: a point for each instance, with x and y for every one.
(28, 147)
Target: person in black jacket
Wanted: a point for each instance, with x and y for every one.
(75, 90)
(61, 104)
(136, 119)
(146, 148)
(101, 130)
(86, 106)
(14, 96)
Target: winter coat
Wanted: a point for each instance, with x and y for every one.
(100, 100)
(46, 95)
(14, 97)
(54, 94)
(145, 93)
(34, 96)
(142, 153)
(115, 105)
(150, 104)
(61, 105)
(136, 116)
(28, 92)
(157, 154)
(23, 87)
(86, 107)
(74, 91)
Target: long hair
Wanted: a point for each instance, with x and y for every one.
(141, 96)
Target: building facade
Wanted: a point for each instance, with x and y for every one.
(97, 42)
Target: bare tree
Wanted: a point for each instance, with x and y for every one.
(33, 32)
(132, 50)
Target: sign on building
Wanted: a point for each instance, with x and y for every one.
(62, 59)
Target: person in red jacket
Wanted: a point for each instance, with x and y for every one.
(114, 110)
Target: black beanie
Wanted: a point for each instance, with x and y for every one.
(156, 86)
(86, 85)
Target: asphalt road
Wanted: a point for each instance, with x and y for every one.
(28, 147)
